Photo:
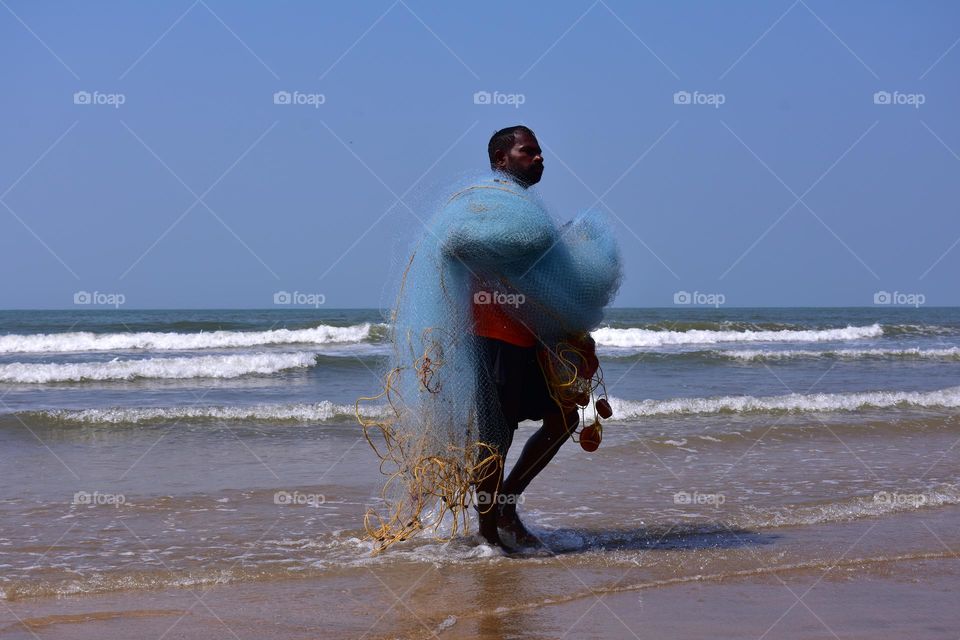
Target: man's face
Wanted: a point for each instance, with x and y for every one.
(524, 161)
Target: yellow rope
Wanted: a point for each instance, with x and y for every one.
(444, 480)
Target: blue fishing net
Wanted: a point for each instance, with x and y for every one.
(492, 242)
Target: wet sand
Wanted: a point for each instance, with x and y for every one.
(800, 518)
(873, 578)
(885, 600)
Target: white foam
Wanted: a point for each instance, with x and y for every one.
(880, 504)
(317, 412)
(86, 341)
(224, 366)
(794, 402)
(755, 354)
(326, 334)
(622, 409)
(634, 337)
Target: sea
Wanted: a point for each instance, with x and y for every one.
(170, 449)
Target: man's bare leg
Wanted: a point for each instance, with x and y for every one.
(537, 453)
(486, 489)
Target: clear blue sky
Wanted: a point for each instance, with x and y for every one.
(95, 197)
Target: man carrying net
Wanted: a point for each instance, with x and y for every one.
(512, 386)
(491, 327)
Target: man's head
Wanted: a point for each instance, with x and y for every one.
(516, 152)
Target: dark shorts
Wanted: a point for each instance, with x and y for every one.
(510, 388)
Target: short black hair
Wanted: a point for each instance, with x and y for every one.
(503, 140)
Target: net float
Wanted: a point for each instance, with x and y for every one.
(591, 436)
(603, 408)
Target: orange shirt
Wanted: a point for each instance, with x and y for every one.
(492, 321)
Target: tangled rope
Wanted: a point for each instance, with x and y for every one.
(443, 480)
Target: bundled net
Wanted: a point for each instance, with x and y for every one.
(491, 242)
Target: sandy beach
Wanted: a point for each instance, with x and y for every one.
(858, 596)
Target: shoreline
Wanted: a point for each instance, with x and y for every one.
(884, 599)
(807, 579)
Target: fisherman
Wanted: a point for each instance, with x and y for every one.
(491, 328)
(511, 385)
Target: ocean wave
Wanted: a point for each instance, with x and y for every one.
(324, 411)
(876, 505)
(705, 325)
(952, 353)
(896, 330)
(376, 333)
(610, 337)
(225, 366)
(86, 341)
(763, 355)
(792, 403)
(623, 410)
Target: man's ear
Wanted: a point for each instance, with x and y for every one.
(500, 159)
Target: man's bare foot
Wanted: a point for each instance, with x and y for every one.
(488, 529)
(509, 521)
